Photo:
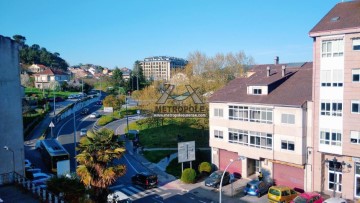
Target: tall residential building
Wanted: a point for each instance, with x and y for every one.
(336, 93)
(265, 118)
(11, 125)
(161, 67)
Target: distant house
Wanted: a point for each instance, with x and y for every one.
(80, 73)
(126, 73)
(36, 68)
(44, 79)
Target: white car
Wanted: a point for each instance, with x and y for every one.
(83, 131)
(118, 196)
(94, 115)
(335, 200)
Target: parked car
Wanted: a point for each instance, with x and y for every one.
(83, 131)
(99, 103)
(256, 188)
(84, 111)
(145, 179)
(335, 200)
(118, 197)
(94, 115)
(281, 194)
(214, 179)
(308, 197)
(29, 172)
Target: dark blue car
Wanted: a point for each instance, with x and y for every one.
(256, 188)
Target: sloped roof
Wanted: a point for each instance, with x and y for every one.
(50, 71)
(294, 89)
(344, 15)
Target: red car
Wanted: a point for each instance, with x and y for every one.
(308, 197)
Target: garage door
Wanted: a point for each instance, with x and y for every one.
(289, 175)
(225, 157)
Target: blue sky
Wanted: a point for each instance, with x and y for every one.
(114, 33)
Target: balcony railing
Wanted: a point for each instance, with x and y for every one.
(23, 183)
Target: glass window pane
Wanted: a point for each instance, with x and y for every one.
(283, 145)
(355, 107)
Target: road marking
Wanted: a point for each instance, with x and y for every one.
(165, 194)
(133, 195)
(116, 187)
(130, 164)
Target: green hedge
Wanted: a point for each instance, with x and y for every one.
(204, 167)
(104, 120)
(188, 175)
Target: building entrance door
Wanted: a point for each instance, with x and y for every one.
(251, 167)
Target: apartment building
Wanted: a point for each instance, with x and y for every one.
(161, 67)
(336, 93)
(11, 125)
(265, 118)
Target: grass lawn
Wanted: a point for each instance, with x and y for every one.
(167, 136)
(156, 156)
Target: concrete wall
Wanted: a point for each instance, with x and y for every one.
(11, 125)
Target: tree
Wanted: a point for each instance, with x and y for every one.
(112, 101)
(117, 75)
(96, 167)
(19, 39)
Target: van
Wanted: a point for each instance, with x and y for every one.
(281, 194)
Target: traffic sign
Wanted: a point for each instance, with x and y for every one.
(186, 151)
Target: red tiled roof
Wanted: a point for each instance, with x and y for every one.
(293, 89)
(344, 15)
(50, 71)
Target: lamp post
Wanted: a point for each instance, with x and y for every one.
(240, 158)
(13, 154)
(127, 116)
(336, 167)
(74, 135)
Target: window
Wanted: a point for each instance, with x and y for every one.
(288, 118)
(218, 112)
(355, 137)
(332, 137)
(243, 113)
(357, 179)
(330, 108)
(336, 109)
(256, 91)
(252, 139)
(332, 48)
(288, 145)
(218, 134)
(355, 107)
(337, 79)
(325, 78)
(356, 44)
(325, 108)
(356, 75)
(335, 176)
(238, 113)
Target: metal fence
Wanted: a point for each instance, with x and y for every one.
(38, 192)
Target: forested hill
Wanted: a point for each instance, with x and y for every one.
(35, 54)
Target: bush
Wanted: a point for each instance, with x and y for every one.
(104, 120)
(204, 167)
(188, 175)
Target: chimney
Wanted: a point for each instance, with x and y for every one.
(276, 60)
(283, 69)
(268, 71)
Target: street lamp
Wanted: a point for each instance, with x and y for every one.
(240, 158)
(13, 153)
(336, 167)
(127, 116)
(74, 134)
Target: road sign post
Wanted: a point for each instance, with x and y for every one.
(51, 127)
(186, 152)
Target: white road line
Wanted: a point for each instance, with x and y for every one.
(116, 187)
(130, 193)
(165, 194)
(130, 164)
(156, 190)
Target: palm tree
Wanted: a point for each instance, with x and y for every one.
(96, 168)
